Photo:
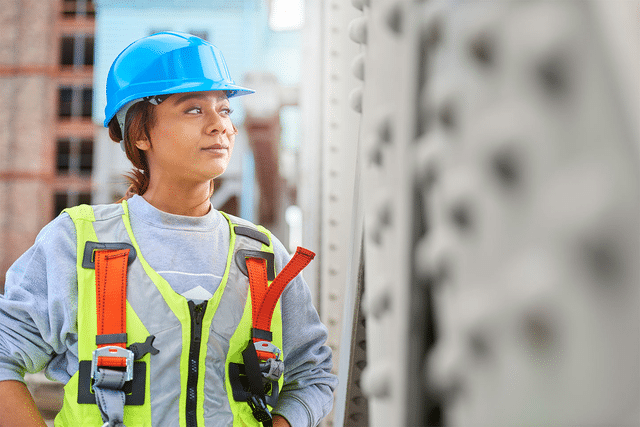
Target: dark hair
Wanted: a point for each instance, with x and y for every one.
(138, 121)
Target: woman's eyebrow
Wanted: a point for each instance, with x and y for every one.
(191, 95)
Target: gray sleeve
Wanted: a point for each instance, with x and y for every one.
(307, 395)
(39, 307)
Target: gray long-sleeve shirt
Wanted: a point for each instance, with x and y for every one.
(38, 312)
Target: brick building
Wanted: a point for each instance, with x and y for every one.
(46, 133)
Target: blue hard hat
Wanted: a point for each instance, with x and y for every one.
(165, 63)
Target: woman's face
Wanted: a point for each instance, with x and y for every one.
(192, 138)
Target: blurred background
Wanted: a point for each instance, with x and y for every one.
(467, 171)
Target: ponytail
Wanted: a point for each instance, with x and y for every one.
(138, 121)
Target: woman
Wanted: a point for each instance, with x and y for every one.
(150, 311)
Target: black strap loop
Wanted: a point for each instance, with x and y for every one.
(253, 234)
(243, 254)
(261, 334)
(90, 247)
(111, 339)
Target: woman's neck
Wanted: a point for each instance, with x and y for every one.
(186, 200)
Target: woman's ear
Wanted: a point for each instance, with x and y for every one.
(143, 144)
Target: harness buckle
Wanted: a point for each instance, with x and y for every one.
(113, 351)
(272, 369)
(267, 350)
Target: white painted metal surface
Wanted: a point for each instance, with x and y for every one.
(538, 205)
(500, 190)
(338, 152)
(387, 130)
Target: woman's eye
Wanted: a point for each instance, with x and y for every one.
(226, 112)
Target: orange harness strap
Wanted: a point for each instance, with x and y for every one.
(264, 297)
(111, 303)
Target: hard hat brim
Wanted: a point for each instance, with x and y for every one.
(138, 91)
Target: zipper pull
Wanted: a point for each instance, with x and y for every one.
(197, 314)
(200, 309)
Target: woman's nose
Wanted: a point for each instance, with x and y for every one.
(216, 123)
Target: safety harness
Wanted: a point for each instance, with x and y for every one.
(118, 380)
(256, 380)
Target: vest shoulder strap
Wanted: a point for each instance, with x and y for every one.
(95, 213)
(236, 220)
(81, 212)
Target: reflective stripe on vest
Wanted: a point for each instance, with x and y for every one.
(153, 308)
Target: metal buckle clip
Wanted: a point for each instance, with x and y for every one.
(113, 351)
(266, 346)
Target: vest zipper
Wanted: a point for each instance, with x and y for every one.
(197, 313)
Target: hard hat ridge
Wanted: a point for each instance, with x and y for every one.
(166, 63)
